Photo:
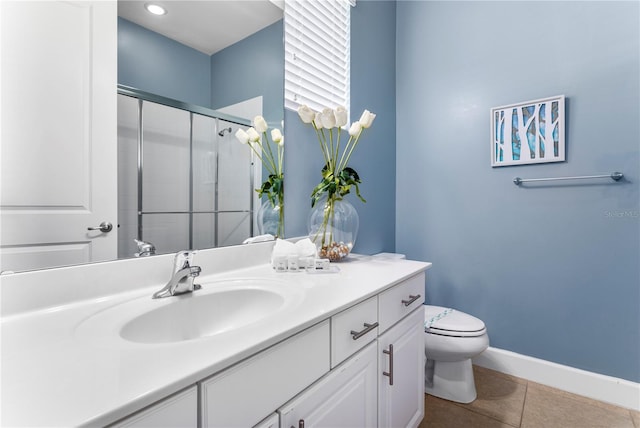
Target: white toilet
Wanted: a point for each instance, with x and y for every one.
(452, 338)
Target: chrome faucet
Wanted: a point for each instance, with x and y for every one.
(144, 248)
(183, 276)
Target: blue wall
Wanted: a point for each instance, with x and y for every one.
(250, 68)
(153, 63)
(373, 28)
(553, 269)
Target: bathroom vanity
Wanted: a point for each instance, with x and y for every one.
(251, 348)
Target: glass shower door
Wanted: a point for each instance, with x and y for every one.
(184, 181)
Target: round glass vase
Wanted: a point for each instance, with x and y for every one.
(270, 218)
(333, 227)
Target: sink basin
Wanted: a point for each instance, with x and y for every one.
(192, 316)
(220, 307)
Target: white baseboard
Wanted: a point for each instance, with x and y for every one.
(609, 389)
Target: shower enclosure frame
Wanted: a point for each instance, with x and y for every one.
(192, 109)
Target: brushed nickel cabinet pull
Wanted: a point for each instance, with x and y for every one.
(368, 327)
(301, 423)
(390, 372)
(411, 299)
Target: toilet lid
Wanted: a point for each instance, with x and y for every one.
(450, 322)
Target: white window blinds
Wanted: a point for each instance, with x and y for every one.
(317, 53)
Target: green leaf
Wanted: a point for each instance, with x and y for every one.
(336, 186)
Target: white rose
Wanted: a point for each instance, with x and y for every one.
(253, 135)
(328, 118)
(355, 128)
(260, 124)
(306, 114)
(367, 118)
(341, 116)
(242, 136)
(276, 135)
(317, 120)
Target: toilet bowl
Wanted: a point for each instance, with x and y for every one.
(452, 338)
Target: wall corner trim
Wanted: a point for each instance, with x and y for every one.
(604, 388)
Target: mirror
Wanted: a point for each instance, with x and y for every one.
(224, 79)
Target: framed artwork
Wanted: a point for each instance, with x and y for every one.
(528, 132)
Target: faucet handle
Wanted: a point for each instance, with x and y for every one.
(183, 259)
(144, 248)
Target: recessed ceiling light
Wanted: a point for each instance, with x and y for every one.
(155, 9)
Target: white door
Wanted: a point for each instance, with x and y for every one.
(58, 132)
(401, 373)
(346, 397)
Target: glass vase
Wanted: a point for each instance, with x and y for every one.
(270, 217)
(333, 227)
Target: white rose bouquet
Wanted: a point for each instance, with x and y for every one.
(273, 187)
(337, 176)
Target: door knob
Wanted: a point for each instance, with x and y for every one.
(104, 227)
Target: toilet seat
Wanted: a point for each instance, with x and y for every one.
(449, 322)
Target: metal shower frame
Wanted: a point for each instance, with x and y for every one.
(142, 96)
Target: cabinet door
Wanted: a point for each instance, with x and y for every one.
(273, 421)
(401, 373)
(179, 411)
(346, 397)
(244, 394)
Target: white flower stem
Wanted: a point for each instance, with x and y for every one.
(270, 153)
(327, 214)
(322, 142)
(344, 161)
(269, 165)
(335, 153)
(332, 205)
(280, 158)
(333, 149)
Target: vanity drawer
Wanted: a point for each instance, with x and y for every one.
(273, 421)
(243, 395)
(352, 329)
(400, 300)
(179, 410)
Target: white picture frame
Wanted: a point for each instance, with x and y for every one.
(536, 126)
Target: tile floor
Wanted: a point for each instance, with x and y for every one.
(506, 402)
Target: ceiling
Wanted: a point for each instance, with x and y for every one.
(205, 25)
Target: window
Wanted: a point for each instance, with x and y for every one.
(317, 53)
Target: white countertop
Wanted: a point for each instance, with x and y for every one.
(53, 374)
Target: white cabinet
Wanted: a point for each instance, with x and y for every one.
(273, 421)
(346, 397)
(178, 411)
(399, 301)
(352, 329)
(401, 373)
(363, 367)
(246, 393)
